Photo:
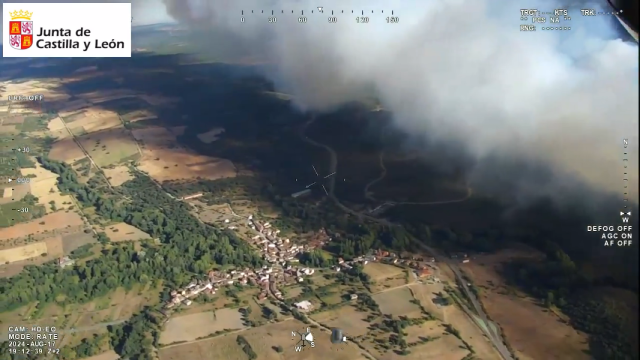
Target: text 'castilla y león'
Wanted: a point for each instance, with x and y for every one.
(70, 43)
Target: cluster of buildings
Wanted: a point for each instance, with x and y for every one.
(182, 296)
(282, 256)
(421, 266)
(275, 249)
(279, 252)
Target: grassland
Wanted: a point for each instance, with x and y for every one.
(43, 185)
(397, 302)
(123, 232)
(191, 327)
(14, 213)
(22, 252)
(110, 147)
(224, 347)
(118, 175)
(385, 276)
(164, 160)
(347, 318)
(517, 313)
(92, 316)
(109, 355)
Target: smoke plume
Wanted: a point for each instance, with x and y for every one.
(544, 111)
(460, 71)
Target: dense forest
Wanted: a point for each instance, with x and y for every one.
(187, 247)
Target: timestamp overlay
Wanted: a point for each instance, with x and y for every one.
(32, 340)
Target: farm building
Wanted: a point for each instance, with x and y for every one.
(304, 305)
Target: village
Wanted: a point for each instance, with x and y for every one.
(283, 268)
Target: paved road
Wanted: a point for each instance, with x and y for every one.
(495, 338)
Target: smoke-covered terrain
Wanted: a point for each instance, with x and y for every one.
(539, 113)
(535, 114)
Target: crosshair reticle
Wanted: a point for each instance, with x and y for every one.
(320, 180)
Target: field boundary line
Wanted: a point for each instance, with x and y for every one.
(86, 153)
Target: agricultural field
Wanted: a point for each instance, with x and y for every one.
(75, 240)
(518, 314)
(264, 339)
(110, 147)
(191, 327)
(48, 224)
(7, 195)
(397, 302)
(123, 232)
(117, 175)
(116, 306)
(109, 355)
(66, 150)
(139, 115)
(57, 130)
(97, 97)
(54, 250)
(426, 294)
(470, 332)
(447, 347)
(33, 123)
(33, 87)
(213, 214)
(292, 291)
(164, 160)
(22, 253)
(217, 348)
(13, 120)
(92, 120)
(347, 318)
(378, 271)
(70, 107)
(43, 185)
(9, 214)
(9, 130)
(385, 276)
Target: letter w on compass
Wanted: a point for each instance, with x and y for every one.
(21, 32)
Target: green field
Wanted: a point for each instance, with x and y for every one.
(9, 214)
(35, 123)
(12, 160)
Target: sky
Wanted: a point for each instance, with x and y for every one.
(538, 113)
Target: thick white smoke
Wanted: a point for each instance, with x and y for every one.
(457, 71)
(461, 70)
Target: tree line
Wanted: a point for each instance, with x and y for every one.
(188, 247)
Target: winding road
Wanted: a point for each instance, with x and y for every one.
(383, 173)
(495, 337)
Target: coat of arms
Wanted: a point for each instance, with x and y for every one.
(20, 32)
